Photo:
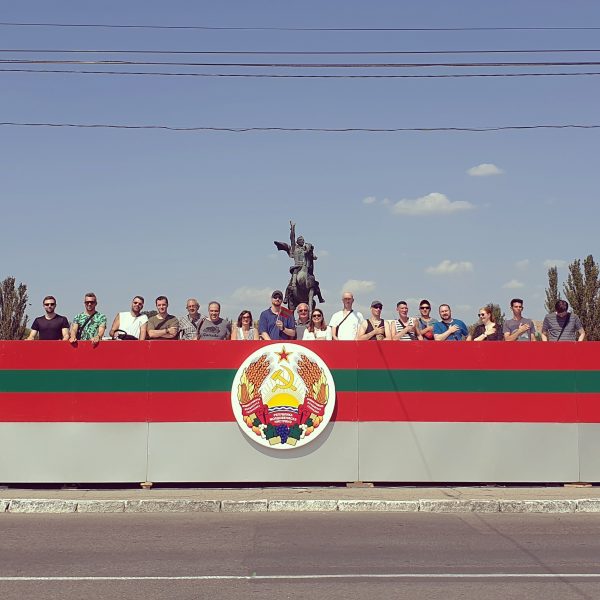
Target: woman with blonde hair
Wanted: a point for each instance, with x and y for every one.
(487, 330)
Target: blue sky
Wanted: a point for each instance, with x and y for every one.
(392, 215)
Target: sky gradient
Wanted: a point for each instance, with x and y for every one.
(457, 217)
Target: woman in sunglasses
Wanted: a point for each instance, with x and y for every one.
(317, 328)
(245, 329)
(487, 330)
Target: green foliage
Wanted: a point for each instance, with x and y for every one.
(582, 291)
(552, 293)
(13, 303)
(149, 313)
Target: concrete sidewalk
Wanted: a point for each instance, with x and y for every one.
(480, 499)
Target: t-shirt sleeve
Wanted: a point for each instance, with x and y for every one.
(35, 325)
(505, 327)
(578, 324)
(290, 323)
(464, 329)
(102, 320)
(438, 328)
(65, 323)
(532, 328)
(545, 324)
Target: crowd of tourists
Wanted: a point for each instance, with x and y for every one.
(279, 323)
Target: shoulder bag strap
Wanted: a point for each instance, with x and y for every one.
(563, 327)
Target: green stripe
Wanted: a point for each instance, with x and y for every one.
(346, 380)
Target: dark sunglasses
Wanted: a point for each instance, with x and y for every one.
(277, 297)
(317, 315)
(89, 302)
(425, 307)
(379, 306)
(49, 303)
(481, 314)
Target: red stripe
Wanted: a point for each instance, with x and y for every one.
(153, 355)
(209, 407)
(454, 407)
(372, 407)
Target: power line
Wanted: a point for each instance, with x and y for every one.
(284, 76)
(299, 52)
(307, 65)
(214, 28)
(303, 129)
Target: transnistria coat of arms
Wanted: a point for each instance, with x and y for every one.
(283, 396)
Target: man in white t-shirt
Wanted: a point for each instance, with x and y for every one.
(345, 323)
(132, 323)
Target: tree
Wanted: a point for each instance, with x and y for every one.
(582, 291)
(552, 293)
(13, 303)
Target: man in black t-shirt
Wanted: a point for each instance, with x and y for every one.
(50, 326)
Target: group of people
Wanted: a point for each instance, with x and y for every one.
(279, 323)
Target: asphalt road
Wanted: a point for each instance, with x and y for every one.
(289, 555)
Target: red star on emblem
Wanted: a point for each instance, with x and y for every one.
(283, 355)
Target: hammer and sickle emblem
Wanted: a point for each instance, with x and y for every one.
(282, 382)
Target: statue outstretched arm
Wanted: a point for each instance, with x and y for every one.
(283, 246)
(292, 235)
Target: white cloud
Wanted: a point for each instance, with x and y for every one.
(522, 264)
(484, 170)
(555, 262)
(432, 204)
(447, 267)
(246, 295)
(386, 201)
(356, 286)
(369, 200)
(513, 284)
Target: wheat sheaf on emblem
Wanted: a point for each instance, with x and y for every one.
(252, 380)
(316, 385)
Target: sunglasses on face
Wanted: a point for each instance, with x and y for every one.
(277, 297)
(89, 302)
(481, 314)
(49, 303)
(317, 315)
(378, 306)
(425, 307)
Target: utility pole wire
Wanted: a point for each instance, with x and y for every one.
(264, 28)
(305, 65)
(303, 129)
(284, 76)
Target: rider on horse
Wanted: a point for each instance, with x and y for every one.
(297, 252)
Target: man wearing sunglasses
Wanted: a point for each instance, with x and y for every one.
(50, 326)
(132, 322)
(276, 322)
(425, 322)
(89, 325)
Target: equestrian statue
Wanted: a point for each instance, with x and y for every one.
(303, 287)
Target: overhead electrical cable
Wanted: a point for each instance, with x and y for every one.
(275, 28)
(306, 65)
(303, 129)
(288, 76)
(298, 52)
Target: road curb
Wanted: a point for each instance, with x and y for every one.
(56, 506)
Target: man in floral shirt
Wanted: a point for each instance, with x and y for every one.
(90, 324)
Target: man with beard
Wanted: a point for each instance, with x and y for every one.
(50, 326)
(132, 322)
